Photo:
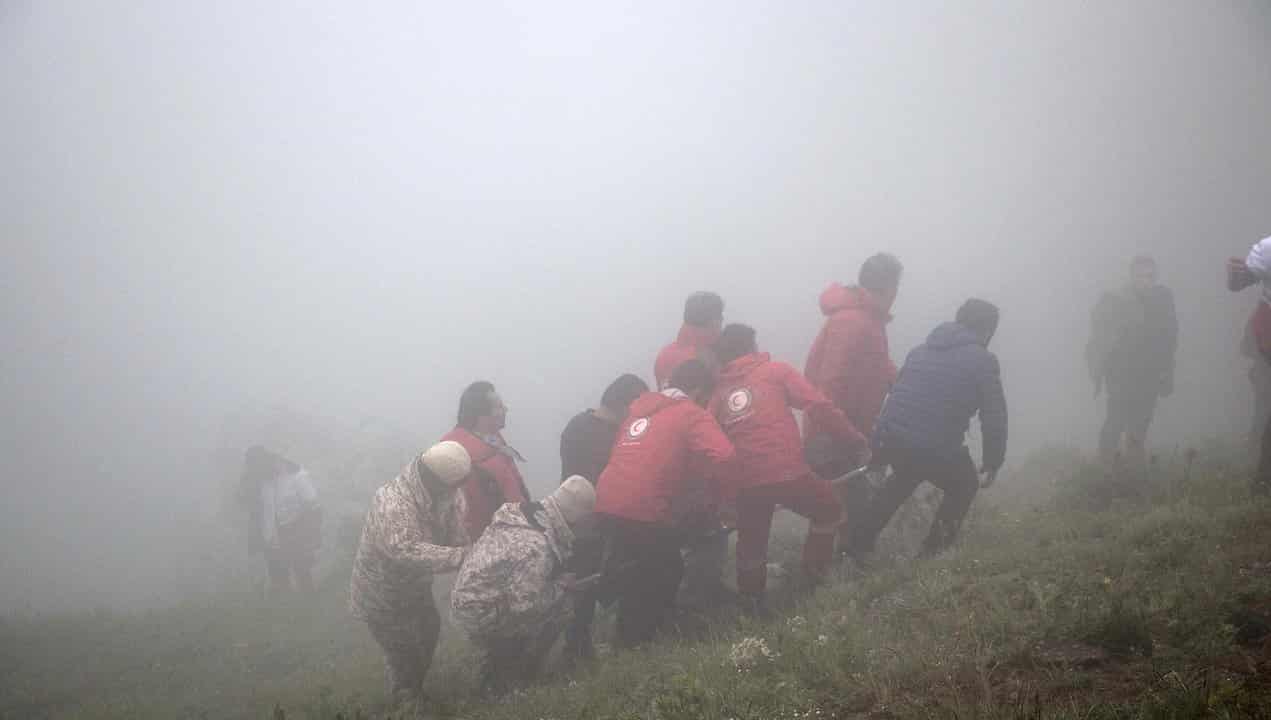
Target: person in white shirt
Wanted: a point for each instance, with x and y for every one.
(285, 517)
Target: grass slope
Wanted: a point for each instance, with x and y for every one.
(1104, 600)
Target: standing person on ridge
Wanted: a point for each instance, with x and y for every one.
(666, 439)
(921, 433)
(494, 479)
(285, 517)
(1133, 340)
(703, 319)
(850, 363)
(585, 447)
(753, 402)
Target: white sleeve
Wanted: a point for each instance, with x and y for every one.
(1259, 260)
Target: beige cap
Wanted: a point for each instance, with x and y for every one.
(576, 498)
(448, 461)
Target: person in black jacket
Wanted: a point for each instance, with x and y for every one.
(922, 429)
(1133, 340)
(585, 445)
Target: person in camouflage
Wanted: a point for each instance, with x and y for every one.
(513, 594)
(413, 530)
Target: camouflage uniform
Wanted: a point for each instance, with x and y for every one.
(509, 596)
(412, 531)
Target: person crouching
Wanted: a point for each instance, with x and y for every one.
(512, 595)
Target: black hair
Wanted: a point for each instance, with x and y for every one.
(702, 309)
(881, 273)
(735, 341)
(475, 403)
(622, 392)
(691, 376)
(979, 315)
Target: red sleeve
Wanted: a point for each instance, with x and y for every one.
(707, 441)
(803, 396)
(836, 355)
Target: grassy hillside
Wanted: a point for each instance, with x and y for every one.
(1070, 596)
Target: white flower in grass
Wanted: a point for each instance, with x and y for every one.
(749, 652)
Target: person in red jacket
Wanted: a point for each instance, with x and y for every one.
(666, 439)
(494, 479)
(708, 552)
(703, 317)
(851, 364)
(753, 402)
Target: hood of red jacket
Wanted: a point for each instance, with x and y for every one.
(696, 337)
(738, 369)
(837, 298)
(651, 402)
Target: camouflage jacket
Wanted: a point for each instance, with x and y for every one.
(411, 532)
(510, 583)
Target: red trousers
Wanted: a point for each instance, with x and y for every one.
(808, 496)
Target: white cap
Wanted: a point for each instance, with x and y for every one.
(448, 461)
(576, 498)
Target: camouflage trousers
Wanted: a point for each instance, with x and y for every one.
(408, 641)
(513, 662)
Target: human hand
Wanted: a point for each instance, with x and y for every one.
(990, 477)
(728, 516)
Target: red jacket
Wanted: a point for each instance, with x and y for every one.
(665, 441)
(686, 346)
(753, 402)
(849, 360)
(494, 480)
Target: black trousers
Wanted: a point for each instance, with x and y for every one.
(643, 568)
(954, 474)
(588, 560)
(1131, 406)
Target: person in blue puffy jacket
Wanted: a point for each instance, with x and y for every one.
(922, 429)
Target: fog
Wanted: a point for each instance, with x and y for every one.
(211, 209)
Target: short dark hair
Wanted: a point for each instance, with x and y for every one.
(881, 273)
(1143, 261)
(622, 392)
(703, 308)
(475, 403)
(979, 315)
(735, 341)
(691, 376)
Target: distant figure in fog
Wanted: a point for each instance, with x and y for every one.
(413, 531)
(1133, 340)
(1255, 269)
(494, 479)
(850, 363)
(285, 521)
(753, 402)
(585, 447)
(513, 595)
(921, 433)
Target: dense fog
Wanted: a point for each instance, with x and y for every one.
(212, 211)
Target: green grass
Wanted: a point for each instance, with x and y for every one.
(1070, 596)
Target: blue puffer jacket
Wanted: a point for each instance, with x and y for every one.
(944, 382)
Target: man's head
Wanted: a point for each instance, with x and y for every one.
(621, 393)
(481, 409)
(448, 461)
(735, 341)
(694, 379)
(1142, 273)
(981, 317)
(704, 310)
(881, 276)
